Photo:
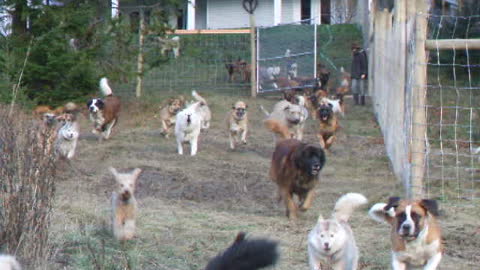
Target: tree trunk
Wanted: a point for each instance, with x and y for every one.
(19, 22)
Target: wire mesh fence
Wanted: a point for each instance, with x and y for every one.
(286, 56)
(425, 85)
(453, 99)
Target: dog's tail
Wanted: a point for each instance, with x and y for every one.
(198, 97)
(264, 111)
(246, 254)
(346, 204)
(9, 262)
(105, 88)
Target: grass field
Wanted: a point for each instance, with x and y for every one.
(192, 207)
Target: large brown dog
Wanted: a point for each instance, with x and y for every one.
(328, 125)
(416, 235)
(104, 112)
(296, 170)
(168, 112)
(237, 123)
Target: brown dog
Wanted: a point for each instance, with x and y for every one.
(104, 112)
(296, 168)
(237, 123)
(168, 112)
(240, 67)
(328, 125)
(416, 235)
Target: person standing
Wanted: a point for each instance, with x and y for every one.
(359, 74)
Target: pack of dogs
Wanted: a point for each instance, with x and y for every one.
(295, 169)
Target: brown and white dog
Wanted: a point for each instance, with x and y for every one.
(104, 112)
(237, 123)
(295, 168)
(168, 112)
(416, 235)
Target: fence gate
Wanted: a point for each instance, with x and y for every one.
(284, 53)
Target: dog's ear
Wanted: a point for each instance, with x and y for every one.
(136, 173)
(113, 171)
(393, 202)
(89, 103)
(240, 237)
(430, 206)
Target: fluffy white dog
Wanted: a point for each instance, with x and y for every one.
(332, 239)
(188, 124)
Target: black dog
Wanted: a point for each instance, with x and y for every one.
(246, 254)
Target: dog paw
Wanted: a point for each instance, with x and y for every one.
(244, 142)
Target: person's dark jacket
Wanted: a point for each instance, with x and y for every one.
(359, 64)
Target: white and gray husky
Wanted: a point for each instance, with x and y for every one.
(332, 240)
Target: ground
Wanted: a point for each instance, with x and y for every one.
(191, 208)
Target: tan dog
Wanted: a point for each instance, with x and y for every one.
(416, 235)
(237, 123)
(345, 82)
(328, 125)
(286, 116)
(168, 112)
(295, 168)
(124, 205)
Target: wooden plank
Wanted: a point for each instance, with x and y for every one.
(418, 143)
(209, 31)
(452, 44)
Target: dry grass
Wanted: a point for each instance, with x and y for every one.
(27, 187)
(191, 208)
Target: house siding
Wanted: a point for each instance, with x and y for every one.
(230, 14)
(291, 11)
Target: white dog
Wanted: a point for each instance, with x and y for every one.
(8, 262)
(67, 137)
(170, 44)
(204, 110)
(332, 239)
(188, 124)
(124, 205)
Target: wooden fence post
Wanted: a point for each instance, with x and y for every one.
(418, 143)
(253, 51)
(140, 60)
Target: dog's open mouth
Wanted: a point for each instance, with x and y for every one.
(408, 237)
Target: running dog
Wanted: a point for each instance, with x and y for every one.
(416, 235)
(332, 240)
(295, 168)
(188, 124)
(67, 136)
(124, 205)
(237, 123)
(286, 116)
(328, 125)
(246, 254)
(204, 110)
(104, 112)
(345, 82)
(168, 112)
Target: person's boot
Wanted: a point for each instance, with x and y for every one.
(362, 100)
(355, 98)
